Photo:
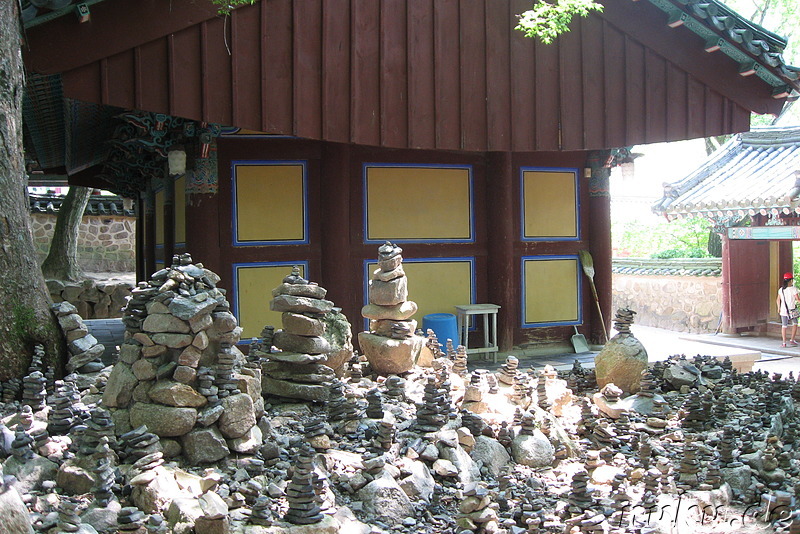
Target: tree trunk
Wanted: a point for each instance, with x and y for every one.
(25, 316)
(61, 262)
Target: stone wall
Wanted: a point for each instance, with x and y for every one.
(680, 298)
(106, 243)
(94, 299)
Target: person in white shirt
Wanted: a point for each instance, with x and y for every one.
(787, 308)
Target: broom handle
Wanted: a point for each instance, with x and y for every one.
(599, 311)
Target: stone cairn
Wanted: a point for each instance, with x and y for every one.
(508, 370)
(299, 370)
(303, 508)
(85, 352)
(391, 345)
(175, 323)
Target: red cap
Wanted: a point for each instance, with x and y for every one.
(788, 276)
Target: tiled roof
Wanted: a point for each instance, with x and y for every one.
(754, 172)
(97, 205)
(757, 50)
(671, 267)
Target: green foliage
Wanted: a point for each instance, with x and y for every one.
(687, 238)
(24, 320)
(226, 6)
(547, 20)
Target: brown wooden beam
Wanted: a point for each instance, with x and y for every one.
(502, 264)
(169, 219)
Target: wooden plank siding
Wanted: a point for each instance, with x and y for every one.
(431, 74)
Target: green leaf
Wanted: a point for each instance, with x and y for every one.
(547, 20)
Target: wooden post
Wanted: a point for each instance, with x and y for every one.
(169, 218)
(600, 247)
(202, 213)
(149, 231)
(501, 262)
(141, 250)
(336, 262)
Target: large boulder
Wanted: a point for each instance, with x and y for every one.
(237, 417)
(621, 362)
(119, 387)
(13, 513)
(388, 356)
(294, 390)
(533, 450)
(30, 473)
(204, 445)
(383, 498)
(419, 483)
(490, 453)
(164, 421)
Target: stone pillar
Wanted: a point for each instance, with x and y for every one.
(502, 264)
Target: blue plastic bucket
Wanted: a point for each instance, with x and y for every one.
(444, 325)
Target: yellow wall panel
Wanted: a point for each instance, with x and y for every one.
(180, 210)
(550, 204)
(254, 285)
(418, 203)
(551, 291)
(436, 286)
(160, 217)
(270, 203)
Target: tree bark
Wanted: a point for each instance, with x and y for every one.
(25, 316)
(61, 262)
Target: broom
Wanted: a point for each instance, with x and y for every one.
(588, 269)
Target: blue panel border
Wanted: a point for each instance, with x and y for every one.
(235, 211)
(579, 282)
(366, 166)
(469, 259)
(574, 171)
(234, 300)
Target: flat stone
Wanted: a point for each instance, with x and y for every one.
(176, 394)
(200, 323)
(79, 360)
(213, 506)
(385, 276)
(293, 390)
(190, 308)
(70, 322)
(164, 421)
(204, 445)
(165, 322)
(290, 303)
(302, 325)
(82, 344)
(184, 374)
(74, 478)
(77, 333)
(313, 291)
(390, 356)
(208, 416)
(300, 344)
(173, 341)
(237, 417)
(295, 358)
(200, 340)
(398, 312)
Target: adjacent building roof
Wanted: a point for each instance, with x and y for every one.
(431, 74)
(97, 205)
(754, 172)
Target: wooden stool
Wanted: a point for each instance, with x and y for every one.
(489, 342)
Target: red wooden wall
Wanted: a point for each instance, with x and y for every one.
(433, 74)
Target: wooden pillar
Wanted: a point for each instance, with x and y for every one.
(599, 213)
(149, 231)
(727, 321)
(169, 218)
(502, 265)
(337, 274)
(202, 213)
(141, 250)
